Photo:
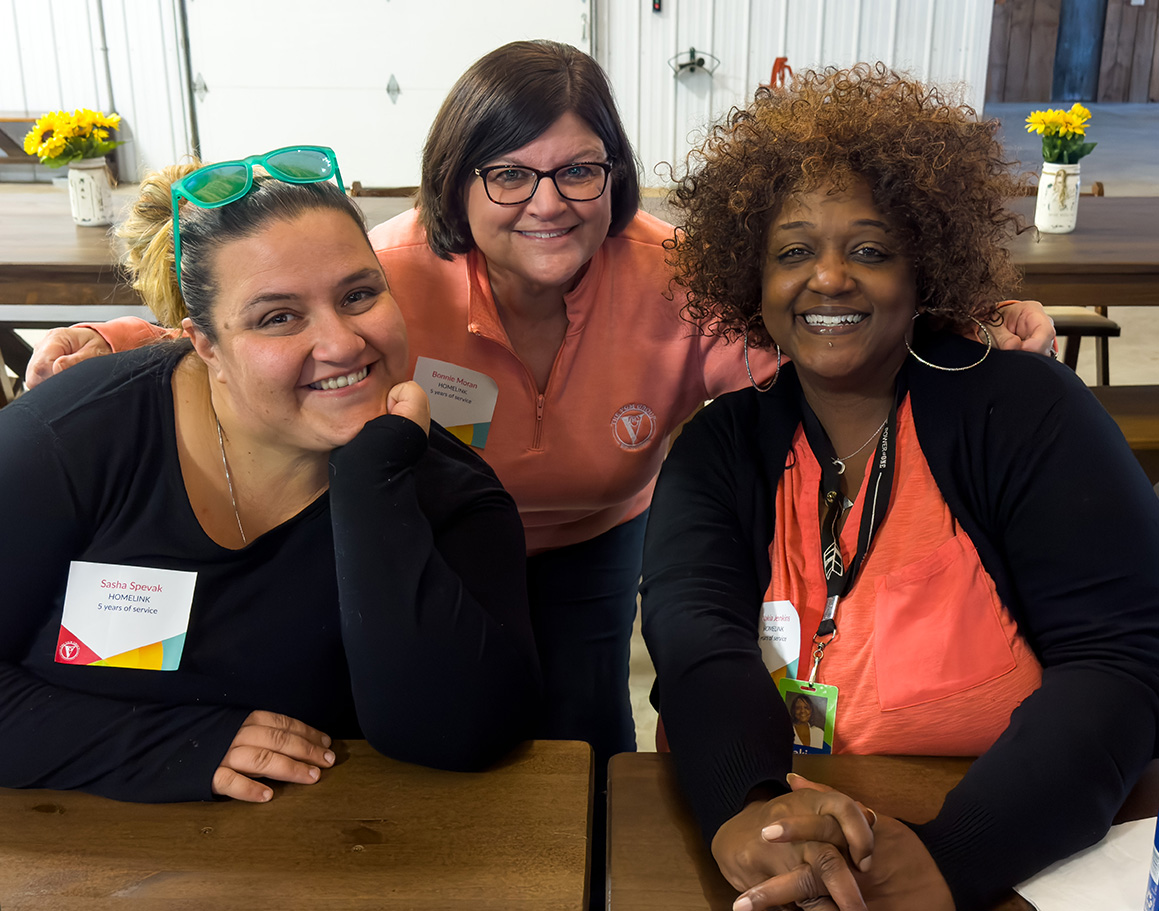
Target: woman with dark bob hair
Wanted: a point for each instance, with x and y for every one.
(899, 489)
(543, 327)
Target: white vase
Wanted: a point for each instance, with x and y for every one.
(1057, 207)
(90, 192)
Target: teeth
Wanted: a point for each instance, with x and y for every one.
(822, 319)
(545, 234)
(339, 382)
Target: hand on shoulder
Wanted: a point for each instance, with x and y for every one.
(60, 349)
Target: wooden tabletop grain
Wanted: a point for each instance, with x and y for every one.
(372, 833)
(657, 860)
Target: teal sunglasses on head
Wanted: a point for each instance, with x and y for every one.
(219, 184)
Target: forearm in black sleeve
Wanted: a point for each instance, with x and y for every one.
(1080, 528)
(435, 620)
(135, 751)
(702, 592)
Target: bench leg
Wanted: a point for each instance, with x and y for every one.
(1103, 361)
(7, 393)
(15, 350)
(1070, 354)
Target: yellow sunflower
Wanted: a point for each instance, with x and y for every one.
(51, 131)
(1062, 133)
(1046, 123)
(85, 120)
(1079, 112)
(1072, 126)
(59, 137)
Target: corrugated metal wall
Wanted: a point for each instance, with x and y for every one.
(941, 40)
(52, 58)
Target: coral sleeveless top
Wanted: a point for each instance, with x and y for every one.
(927, 659)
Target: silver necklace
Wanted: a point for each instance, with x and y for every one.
(839, 462)
(229, 480)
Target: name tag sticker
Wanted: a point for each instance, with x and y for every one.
(462, 400)
(124, 616)
(780, 637)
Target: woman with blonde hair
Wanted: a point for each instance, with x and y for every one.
(237, 546)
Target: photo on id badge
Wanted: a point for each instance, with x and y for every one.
(812, 710)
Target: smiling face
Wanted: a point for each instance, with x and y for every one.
(802, 710)
(838, 291)
(309, 339)
(545, 243)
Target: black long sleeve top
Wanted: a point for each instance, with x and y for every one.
(392, 607)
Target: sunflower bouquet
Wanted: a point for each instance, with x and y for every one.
(60, 137)
(1062, 133)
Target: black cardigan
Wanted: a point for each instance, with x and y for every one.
(1064, 521)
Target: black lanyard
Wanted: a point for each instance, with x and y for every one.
(839, 578)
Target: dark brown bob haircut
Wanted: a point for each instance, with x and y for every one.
(504, 101)
(934, 170)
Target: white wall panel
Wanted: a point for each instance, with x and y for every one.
(52, 58)
(944, 41)
(147, 65)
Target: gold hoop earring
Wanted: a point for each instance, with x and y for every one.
(771, 383)
(985, 354)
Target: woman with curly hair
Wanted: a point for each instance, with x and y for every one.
(897, 496)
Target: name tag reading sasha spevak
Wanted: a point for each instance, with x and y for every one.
(124, 616)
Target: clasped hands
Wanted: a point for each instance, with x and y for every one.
(823, 851)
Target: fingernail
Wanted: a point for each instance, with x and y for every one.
(329, 757)
(792, 775)
(866, 863)
(267, 795)
(326, 741)
(314, 773)
(744, 903)
(773, 832)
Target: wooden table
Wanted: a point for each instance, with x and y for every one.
(657, 860)
(53, 272)
(372, 833)
(1110, 260)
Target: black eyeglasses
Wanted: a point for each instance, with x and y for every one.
(580, 181)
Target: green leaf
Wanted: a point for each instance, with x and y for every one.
(1081, 150)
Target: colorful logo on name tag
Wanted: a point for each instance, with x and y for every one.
(124, 616)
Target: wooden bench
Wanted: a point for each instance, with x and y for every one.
(13, 146)
(17, 352)
(1136, 411)
(1073, 323)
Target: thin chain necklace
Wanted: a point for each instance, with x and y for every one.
(229, 480)
(839, 462)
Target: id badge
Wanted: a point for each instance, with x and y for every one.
(812, 709)
(124, 616)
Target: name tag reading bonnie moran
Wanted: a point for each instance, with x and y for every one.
(124, 616)
(462, 400)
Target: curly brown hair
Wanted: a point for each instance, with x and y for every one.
(934, 170)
